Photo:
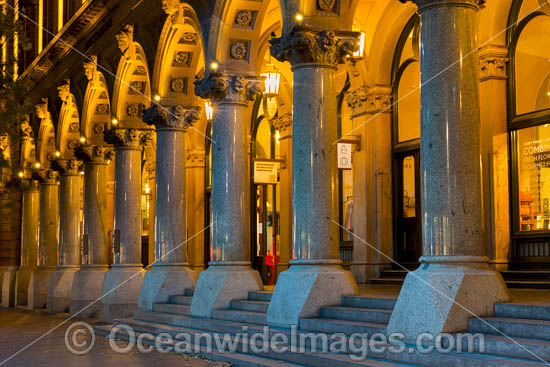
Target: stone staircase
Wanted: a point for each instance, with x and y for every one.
(533, 279)
(528, 324)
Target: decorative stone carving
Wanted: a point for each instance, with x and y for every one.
(182, 59)
(66, 167)
(224, 88)
(134, 110)
(26, 131)
(244, 18)
(47, 176)
(3, 145)
(102, 109)
(125, 40)
(283, 124)
(195, 159)
(238, 50)
(140, 70)
(307, 46)
(72, 144)
(492, 63)
(178, 85)
(51, 139)
(356, 97)
(90, 68)
(171, 7)
(41, 110)
(137, 88)
(64, 91)
(99, 128)
(373, 100)
(188, 38)
(74, 127)
(129, 138)
(176, 117)
(50, 156)
(424, 3)
(326, 5)
(94, 153)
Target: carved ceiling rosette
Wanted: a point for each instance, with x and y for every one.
(128, 138)
(45, 176)
(176, 117)
(66, 167)
(306, 46)
(94, 153)
(224, 88)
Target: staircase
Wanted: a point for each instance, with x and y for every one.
(533, 279)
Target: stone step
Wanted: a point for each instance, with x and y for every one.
(521, 328)
(393, 273)
(286, 358)
(332, 326)
(248, 305)
(247, 317)
(528, 284)
(189, 292)
(532, 349)
(260, 296)
(356, 314)
(531, 311)
(387, 281)
(172, 308)
(369, 302)
(536, 275)
(181, 300)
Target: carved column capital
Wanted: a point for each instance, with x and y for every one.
(66, 167)
(283, 123)
(128, 138)
(225, 88)
(195, 158)
(94, 153)
(364, 100)
(28, 184)
(492, 63)
(26, 131)
(46, 176)
(426, 4)
(176, 117)
(307, 46)
(3, 144)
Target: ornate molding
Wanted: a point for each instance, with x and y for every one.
(492, 63)
(244, 18)
(64, 91)
(224, 88)
(90, 69)
(125, 41)
(283, 124)
(66, 167)
(41, 110)
(176, 117)
(46, 176)
(3, 143)
(171, 7)
(424, 4)
(128, 138)
(94, 153)
(26, 131)
(195, 158)
(374, 100)
(239, 50)
(306, 46)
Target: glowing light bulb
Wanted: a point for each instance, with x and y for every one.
(115, 121)
(58, 153)
(299, 18)
(20, 173)
(82, 139)
(37, 165)
(214, 66)
(157, 98)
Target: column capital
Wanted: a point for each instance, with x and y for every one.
(365, 100)
(46, 176)
(425, 4)
(307, 46)
(128, 138)
(283, 123)
(29, 184)
(94, 153)
(3, 144)
(225, 88)
(196, 158)
(66, 167)
(176, 117)
(492, 62)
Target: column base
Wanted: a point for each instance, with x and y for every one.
(8, 287)
(2, 270)
(302, 290)
(38, 288)
(22, 281)
(163, 281)
(86, 291)
(220, 284)
(59, 289)
(120, 292)
(430, 298)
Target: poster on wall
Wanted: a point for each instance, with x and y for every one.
(265, 172)
(344, 156)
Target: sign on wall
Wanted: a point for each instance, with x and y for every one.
(265, 172)
(344, 156)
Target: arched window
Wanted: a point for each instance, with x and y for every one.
(529, 116)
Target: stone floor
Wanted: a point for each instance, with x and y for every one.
(20, 328)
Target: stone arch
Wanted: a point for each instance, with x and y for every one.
(96, 108)
(132, 89)
(68, 127)
(46, 134)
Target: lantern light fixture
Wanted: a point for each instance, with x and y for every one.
(57, 153)
(272, 81)
(157, 98)
(209, 110)
(357, 55)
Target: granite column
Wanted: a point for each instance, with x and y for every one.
(454, 281)
(229, 275)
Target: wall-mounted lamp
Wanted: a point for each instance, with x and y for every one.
(358, 55)
(209, 110)
(272, 81)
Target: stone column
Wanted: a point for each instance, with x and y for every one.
(170, 273)
(88, 281)
(315, 278)
(29, 241)
(123, 282)
(454, 281)
(47, 238)
(68, 251)
(229, 276)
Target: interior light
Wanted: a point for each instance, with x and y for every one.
(209, 110)
(37, 165)
(214, 66)
(299, 18)
(115, 121)
(157, 98)
(82, 139)
(58, 153)
(20, 173)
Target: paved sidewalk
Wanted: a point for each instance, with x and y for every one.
(19, 328)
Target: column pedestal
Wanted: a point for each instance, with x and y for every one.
(8, 287)
(86, 290)
(163, 281)
(38, 287)
(59, 288)
(120, 291)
